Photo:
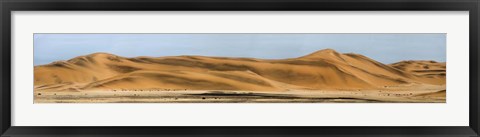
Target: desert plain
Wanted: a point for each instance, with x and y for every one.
(322, 76)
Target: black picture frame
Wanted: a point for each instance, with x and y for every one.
(7, 6)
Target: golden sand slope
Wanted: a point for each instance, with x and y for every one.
(427, 71)
(324, 69)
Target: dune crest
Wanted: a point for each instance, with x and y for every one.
(324, 69)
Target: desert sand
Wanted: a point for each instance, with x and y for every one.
(322, 76)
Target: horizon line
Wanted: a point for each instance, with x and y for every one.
(233, 57)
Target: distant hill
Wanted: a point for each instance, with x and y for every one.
(324, 69)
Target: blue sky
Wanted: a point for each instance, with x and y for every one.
(386, 48)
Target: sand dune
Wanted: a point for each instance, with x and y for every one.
(324, 69)
(426, 71)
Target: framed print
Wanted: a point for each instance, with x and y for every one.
(239, 68)
(306, 72)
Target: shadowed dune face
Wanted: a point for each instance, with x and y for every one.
(324, 69)
(181, 80)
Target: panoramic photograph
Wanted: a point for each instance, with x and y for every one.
(240, 68)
